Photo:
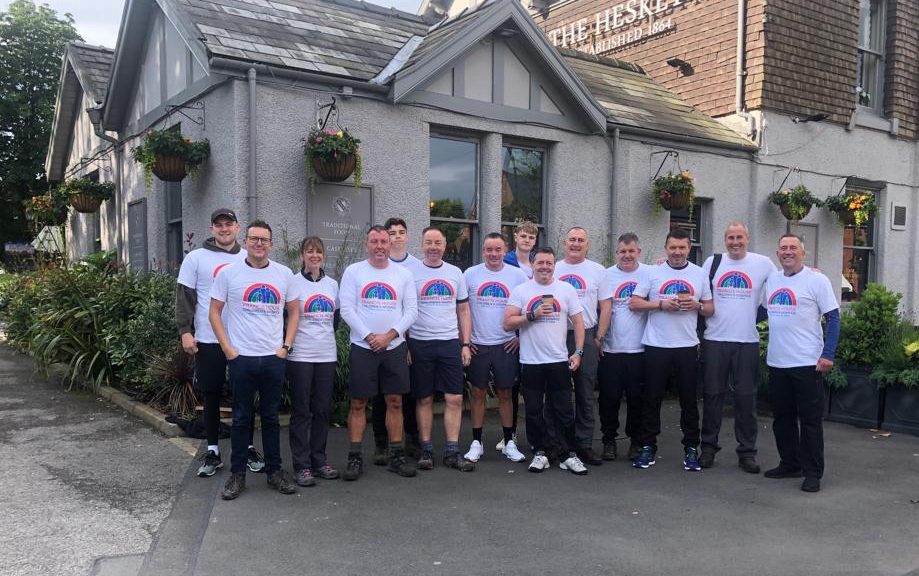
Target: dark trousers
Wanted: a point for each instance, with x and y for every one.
(378, 418)
(620, 375)
(250, 375)
(210, 376)
(734, 366)
(660, 363)
(548, 387)
(797, 405)
(311, 386)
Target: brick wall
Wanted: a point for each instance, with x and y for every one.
(901, 90)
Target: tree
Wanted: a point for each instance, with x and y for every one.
(32, 43)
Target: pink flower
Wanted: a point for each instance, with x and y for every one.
(318, 139)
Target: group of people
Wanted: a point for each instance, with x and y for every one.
(524, 321)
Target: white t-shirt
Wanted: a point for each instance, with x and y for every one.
(673, 329)
(198, 270)
(409, 261)
(438, 290)
(626, 327)
(488, 293)
(315, 340)
(738, 287)
(544, 341)
(254, 305)
(795, 305)
(585, 278)
(375, 301)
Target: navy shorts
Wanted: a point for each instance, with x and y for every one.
(437, 366)
(378, 373)
(494, 360)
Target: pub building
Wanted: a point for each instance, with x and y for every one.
(472, 116)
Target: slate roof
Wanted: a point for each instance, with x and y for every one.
(93, 65)
(632, 98)
(339, 37)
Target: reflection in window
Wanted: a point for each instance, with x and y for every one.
(454, 182)
(857, 258)
(870, 81)
(522, 188)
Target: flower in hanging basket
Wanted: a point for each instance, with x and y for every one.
(673, 192)
(47, 209)
(853, 207)
(170, 155)
(332, 155)
(86, 195)
(795, 203)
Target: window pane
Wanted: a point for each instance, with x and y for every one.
(454, 178)
(459, 242)
(856, 268)
(173, 200)
(680, 219)
(521, 185)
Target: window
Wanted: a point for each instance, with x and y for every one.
(97, 218)
(173, 194)
(680, 219)
(454, 195)
(869, 87)
(857, 254)
(523, 184)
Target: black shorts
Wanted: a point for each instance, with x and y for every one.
(437, 366)
(378, 373)
(210, 368)
(494, 360)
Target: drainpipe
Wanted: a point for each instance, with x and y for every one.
(741, 52)
(251, 192)
(613, 145)
(95, 118)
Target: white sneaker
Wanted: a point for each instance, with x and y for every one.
(539, 463)
(511, 452)
(500, 445)
(573, 464)
(475, 451)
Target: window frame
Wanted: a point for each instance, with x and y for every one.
(543, 233)
(475, 224)
(869, 249)
(877, 50)
(696, 230)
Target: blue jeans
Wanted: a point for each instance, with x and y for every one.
(248, 375)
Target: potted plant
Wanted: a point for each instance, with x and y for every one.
(852, 207)
(794, 203)
(865, 325)
(673, 192)
(170, 156)
(85, 195)
(332, 155)
(898, 377)
(47, 209)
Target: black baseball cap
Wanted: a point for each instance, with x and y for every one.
(223, 213)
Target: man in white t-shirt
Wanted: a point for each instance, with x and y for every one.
(622, 359)
(193, 300)
(379, 303)
(541, 309)
(255, 294)
(799, 354)
(675, 293)
(585, 276)
(439, 345)
(494, 349)
(730, 349)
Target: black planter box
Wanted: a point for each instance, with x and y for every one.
(858, 404)
(901, 410)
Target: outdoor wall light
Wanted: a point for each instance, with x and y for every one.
(819, 117)
(683, 66)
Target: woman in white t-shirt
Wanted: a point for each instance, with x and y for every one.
(311, 366)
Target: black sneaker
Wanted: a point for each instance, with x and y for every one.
(235, 485)
(454, 460)
(748, 464)
(588, 456)
(707, 458)
(610, 451)
(399, 465)
(280, 481)
(254, 461)
(412, 447)
(783, 470)
(426, 460)
(810, 484)
(212, 463)
(380, 455)
(305, 478)
(354, 468)
(634, 449)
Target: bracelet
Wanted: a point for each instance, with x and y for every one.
(579, 352)
(660, 304)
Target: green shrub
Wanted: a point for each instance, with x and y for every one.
(865, 325)
(896, 366)
(341, 393)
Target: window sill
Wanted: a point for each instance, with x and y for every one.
(868, 118)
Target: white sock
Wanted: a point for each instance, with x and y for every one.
(214, 448)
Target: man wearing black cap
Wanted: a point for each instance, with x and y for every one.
(199, 268)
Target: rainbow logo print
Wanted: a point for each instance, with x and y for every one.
(576, 282)
(318, 308)
(556, 309)
(437, 292)
(493, 294)
(219, 268)
(378, 296)
(734, 285)
(782, 302)
(625, 290)
(674, 287)
(263, 299)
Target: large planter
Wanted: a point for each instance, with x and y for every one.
(336, 169)
(678, 200)
(859, 403)
(901, 410)
(785, 209)
(169, 168)
(85, 203)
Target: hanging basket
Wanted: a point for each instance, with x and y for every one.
(169, 168)
(786, 212)
(678, 200)
(85, 203)
(335, 170)
(846, 217)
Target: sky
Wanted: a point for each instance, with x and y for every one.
(97, 21)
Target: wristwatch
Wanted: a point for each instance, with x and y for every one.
(579, 352)
(531, 316)
(467, 345)
(288, 348)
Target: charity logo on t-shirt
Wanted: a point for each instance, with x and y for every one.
(734, 284)
(220, 267)
(379, 296)
(261, 298)
(782, 302)
(437, 292)
(623, 293)
(492, 294)
(578, 283)
(553, 317)
(674, 287)
(318, 309)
